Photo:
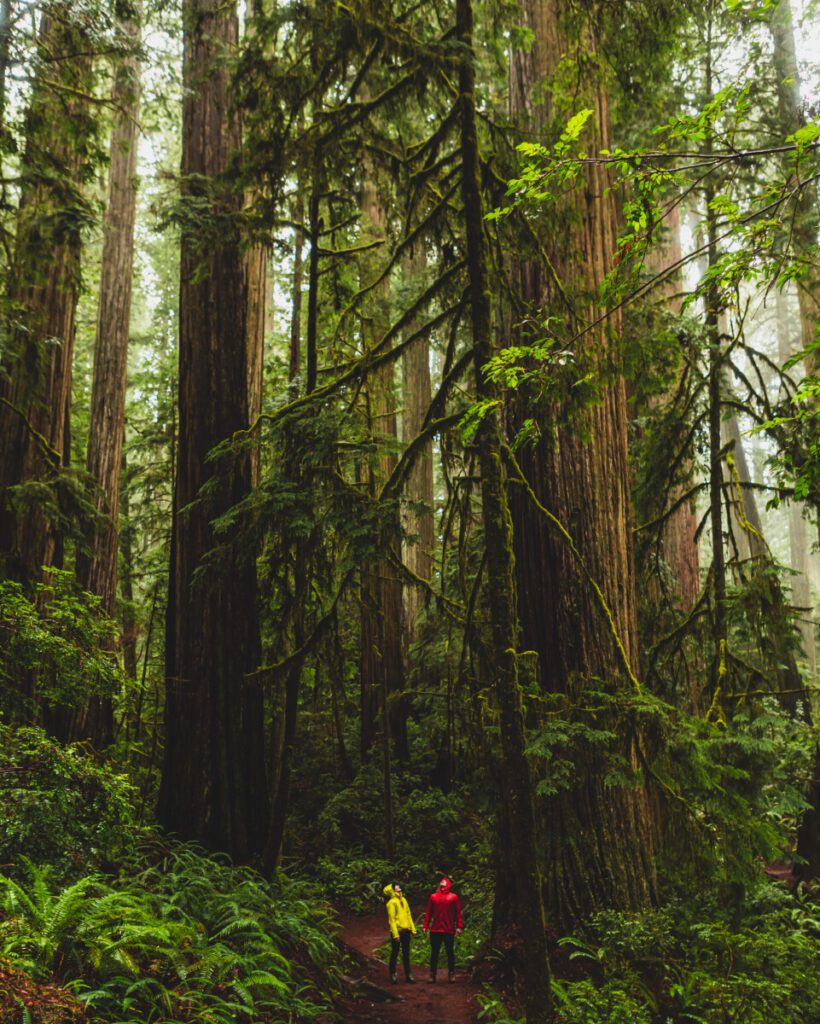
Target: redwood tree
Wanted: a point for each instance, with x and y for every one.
(597, 843)
(213, 781)
(44, 277)
(97, 566)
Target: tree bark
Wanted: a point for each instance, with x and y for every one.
(500, 562)
(35, 389)
(598, 844)
(381, 663)
(678, 541)
(295, 353)
(419, 525)
(798, 533)
(97, 567)
(213, 786)
(256, 271)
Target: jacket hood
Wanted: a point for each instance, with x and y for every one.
(447, 884)
(388, 890)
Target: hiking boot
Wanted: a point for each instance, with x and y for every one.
(411, 980)
(393, 977)
(432, 979)
(451, 976)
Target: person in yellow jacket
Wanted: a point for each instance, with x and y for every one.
(402, 928)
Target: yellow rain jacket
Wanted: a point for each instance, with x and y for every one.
(398, 913)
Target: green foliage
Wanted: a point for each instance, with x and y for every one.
(434, 835)
(59, 635)
(732, 791)
(58, 806)
(189, 938)
(693, 961)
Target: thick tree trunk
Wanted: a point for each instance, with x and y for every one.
(808, 835)
(213, 785)
(381, 663)
(35, 388)
(419, 524)
(598, 844)
(500, 562)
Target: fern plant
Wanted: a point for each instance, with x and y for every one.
(191, 939)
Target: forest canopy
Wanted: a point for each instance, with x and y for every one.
(409, 465)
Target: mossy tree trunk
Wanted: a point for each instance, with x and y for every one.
(500, 563)
(418, 517)
(35, 387)
(597, 840)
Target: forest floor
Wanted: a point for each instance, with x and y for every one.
(422, 1003)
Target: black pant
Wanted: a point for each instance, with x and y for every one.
(404, 941)
(436, 939)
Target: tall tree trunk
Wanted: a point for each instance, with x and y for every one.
(295, 353)
(804, 224)
(798, 533)
(130, 628)
(679, 543)
(500, 561)
(284, 750)
(381, 588)
(598, 845)
(35, 388)
(97, 567)
(213, 785)
(256, 271)
(5, 53)
(284, 745)
(256, 286)
(418, 515)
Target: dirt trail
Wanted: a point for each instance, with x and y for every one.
(422, 1003)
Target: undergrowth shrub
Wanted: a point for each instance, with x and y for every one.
(190, 938)
(698, 961)
(58, 806)
(61, 635)
(434, 835)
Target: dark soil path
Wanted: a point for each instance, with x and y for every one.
(422, 1003)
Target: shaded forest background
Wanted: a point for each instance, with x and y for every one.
(409, 464)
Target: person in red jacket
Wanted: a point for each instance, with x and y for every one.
(443, 922)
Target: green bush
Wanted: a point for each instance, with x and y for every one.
(57, 806)
(695, 961)
(62, 638)
(191, 938)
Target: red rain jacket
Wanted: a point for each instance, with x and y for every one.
(443, 911)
